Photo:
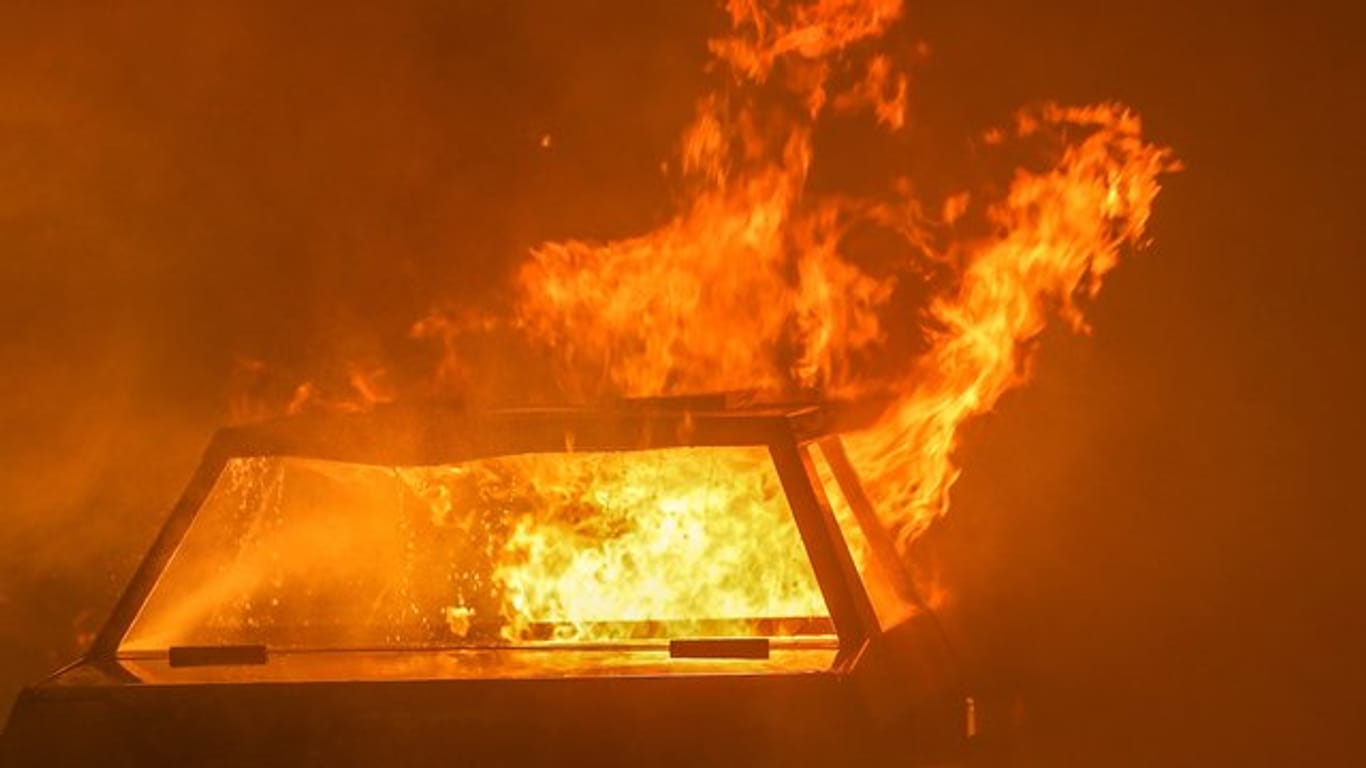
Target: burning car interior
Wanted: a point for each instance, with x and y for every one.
(700, 545)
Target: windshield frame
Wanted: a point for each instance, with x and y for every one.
(434, 436)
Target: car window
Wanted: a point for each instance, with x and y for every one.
(568, 548)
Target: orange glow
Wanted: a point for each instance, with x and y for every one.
(745, 287)
(581, 547)
(649, 543)
(1059, 232)
(749, 286)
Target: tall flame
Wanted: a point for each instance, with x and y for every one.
(748, 286)
(744, 286)
(751, 283)
(1058, 233)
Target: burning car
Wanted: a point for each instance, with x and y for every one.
(696, 581)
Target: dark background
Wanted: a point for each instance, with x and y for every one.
(1157, 544)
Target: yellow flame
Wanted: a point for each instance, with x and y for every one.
(748, 287)
(682, 536)
(1060, 232)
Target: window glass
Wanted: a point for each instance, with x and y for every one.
(584, 548)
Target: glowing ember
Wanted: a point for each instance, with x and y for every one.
(1059, 232)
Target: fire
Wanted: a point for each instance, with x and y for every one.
(745, 287)
(508, 550)
(680, 537)
(1059, 233)
(748, 287)
(751, 285)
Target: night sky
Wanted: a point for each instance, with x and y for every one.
(1157, 545)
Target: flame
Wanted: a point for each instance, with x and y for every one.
(1060, 232)
(259, 392)
(744, 287)
(510, 550)
(752, 285)
(749, 286)
(674, 537)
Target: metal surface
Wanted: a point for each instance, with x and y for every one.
(879, 540)
(416, 435)
(836, 575)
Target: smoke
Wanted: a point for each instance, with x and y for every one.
(216, 213)
(1149, 536)
(183, 189)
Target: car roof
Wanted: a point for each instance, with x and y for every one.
(437, 433)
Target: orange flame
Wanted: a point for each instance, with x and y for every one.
(1059, 232)
(751, 286)
(747, 287)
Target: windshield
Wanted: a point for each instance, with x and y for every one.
(555, 548)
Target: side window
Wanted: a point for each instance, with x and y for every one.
(570, 548)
